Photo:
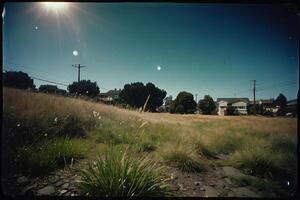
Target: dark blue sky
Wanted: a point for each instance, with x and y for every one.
(214, 49)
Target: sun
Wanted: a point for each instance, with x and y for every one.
(55, 6)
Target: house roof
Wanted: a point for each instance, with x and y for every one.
(113, 92)
(232, 100)
(292, 102)
(263, 101)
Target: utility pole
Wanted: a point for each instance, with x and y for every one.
(78, 66)
(196, 97)
(254, 82)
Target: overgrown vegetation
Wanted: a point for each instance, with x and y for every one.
(42, 133)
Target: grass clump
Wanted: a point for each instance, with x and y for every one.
(118, 173)
(228, 143)
(183, 157)
(256, 161)
(46, 156)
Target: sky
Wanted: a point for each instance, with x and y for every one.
(214, 49)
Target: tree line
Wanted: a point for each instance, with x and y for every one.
(137, 95)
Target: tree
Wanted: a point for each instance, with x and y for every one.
(230, 110)
(18, 80)
(156, 97)
(184, 103)
(207, 105)
(48, 88)
(136, 94)
(281, 102)
(84, 87)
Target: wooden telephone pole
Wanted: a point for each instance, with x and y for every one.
(78, 66)
(254, 82)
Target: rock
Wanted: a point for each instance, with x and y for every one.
(173, 188)
(220, 184)
(210, 192)
(230, 194)
(244, 192)
(211, 184)
(202, 189)
(48, 190)
(59, 183)
(181, 187)
(63, 192)
(197, 183)
(28, 191)
(65, 186)
(53, 179)
(228, 181)
(22, 180)
(230, 171)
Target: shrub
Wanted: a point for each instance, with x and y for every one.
(118, 173)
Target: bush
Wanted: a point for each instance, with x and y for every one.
(118, 173)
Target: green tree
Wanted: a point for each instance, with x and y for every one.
(48, 88)
(184, 103)
(18, 80)
(281, 102)
(230, 110)
(84, 87)
(136, 94)
(207, 105)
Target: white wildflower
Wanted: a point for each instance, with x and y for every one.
(18, 125)
(55, 120)
(172, 176)
(99, 117)
(45, 134)
(288, 183)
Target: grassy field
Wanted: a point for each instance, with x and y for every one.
(128, 149)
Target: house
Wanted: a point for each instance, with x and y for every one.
(291, 107)
(267, 104)
(110, 96)
(240, 105)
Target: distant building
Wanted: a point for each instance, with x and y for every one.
(240, 105)
(110, 96)
(291, 107)
(267, 104)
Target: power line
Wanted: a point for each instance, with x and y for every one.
(48, 81)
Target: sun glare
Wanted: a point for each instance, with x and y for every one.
(55, 6)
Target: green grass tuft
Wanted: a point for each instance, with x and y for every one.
(46, 156)
(118, 173)
(184, 158)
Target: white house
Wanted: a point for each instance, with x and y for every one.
(240, 105)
